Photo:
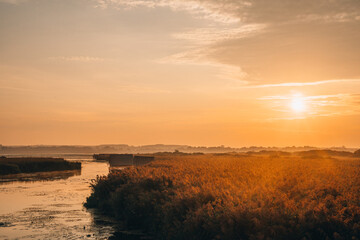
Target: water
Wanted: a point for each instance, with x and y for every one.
(52, 208)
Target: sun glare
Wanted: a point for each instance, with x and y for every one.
(298, 103)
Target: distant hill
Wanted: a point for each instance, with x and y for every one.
(124, 148)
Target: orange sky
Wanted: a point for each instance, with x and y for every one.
(213, 72)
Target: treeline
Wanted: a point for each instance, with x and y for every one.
(245, 196)
(124, 148)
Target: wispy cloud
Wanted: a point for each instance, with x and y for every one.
(278, 44)
(140, 89)
(211, 35)
(77, 59)
(13, 1)
(198, 57)
(17, 89)
(199, 44)
(301, 84)
(308, 98)
(224, 26)
(201, 9)
(252, 11)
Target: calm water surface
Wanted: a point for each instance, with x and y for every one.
(53, 209)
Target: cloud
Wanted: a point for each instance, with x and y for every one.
(280, 11)
(197, 57)
(202, 9)
(337, 97)
(77, 59)
(275, 41)
(272, 42)
(303, 41)
(301, 52)
(253, 11)
(16, 89)
(13, 1)
(303, 83)
(210, 35)
(140, 89)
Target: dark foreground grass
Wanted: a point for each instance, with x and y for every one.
(30, 165)
(236, 196)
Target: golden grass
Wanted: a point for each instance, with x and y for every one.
(237, 196)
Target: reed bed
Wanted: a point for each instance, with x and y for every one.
(236, 196)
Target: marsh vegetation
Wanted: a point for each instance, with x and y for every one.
(266, 195)
(14, 165)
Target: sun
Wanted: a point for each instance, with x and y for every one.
(298, 103)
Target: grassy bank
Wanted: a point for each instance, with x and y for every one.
(237, 196)
(29, 165)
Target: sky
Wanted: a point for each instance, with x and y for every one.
(198, 72)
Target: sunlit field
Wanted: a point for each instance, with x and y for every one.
(274, 195)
